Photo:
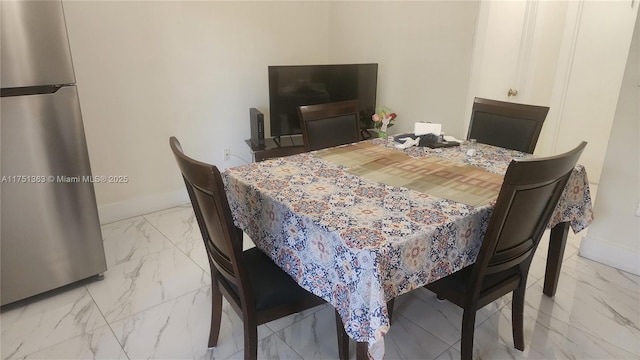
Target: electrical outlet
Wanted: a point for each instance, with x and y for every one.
(227, 152)
(638, 210)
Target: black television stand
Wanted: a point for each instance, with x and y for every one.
(276, 147)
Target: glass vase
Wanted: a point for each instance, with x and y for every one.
(382, 134)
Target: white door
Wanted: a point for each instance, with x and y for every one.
(516, 51)
(589, 79)
(497, 47)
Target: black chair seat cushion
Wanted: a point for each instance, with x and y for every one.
(458, 282)
(271, 286)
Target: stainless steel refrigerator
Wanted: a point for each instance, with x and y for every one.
(50, 232)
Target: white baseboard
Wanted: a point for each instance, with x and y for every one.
(140, 206)
(610, 254)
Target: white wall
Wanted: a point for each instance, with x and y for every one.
(589, 77)
(614, 236)
(524, 58)
(423, 50)
(575, 63)
(147, 70)
(518, 46)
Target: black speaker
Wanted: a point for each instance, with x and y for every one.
(257, 126)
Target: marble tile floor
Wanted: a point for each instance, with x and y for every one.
(154, 303)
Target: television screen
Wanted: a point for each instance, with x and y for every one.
(293, 86)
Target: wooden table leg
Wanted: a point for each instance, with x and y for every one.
(362, 348)
(557, 243)
(362, 351)
(390, 309)
(343, 338)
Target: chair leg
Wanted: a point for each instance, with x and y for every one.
(343, 339)
(390, 308)
(468, 326)
(517, 317)
(362, 351)
(216, 314)
(250, 339)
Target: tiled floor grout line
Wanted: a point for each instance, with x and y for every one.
(147, 309)
(273, 333)
(549, 328)
(91, 331)
(206, 271)
(573, 326)
(108, 324)
(171, 241)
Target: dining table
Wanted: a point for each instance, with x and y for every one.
(363, 223)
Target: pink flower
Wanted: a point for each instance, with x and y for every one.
(382, 118)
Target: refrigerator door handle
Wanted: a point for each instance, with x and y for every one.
(31, 90)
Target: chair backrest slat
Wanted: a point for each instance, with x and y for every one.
(508, 125)
(527, 199)
(331, 124)
(222, 239)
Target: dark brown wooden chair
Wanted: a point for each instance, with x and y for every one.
(331, 124)
(257, 289)
(526, 201)
(508, 125)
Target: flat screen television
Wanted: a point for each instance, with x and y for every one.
(293, 86)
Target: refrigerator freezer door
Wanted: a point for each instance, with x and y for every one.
(35, 49)
(50, 228)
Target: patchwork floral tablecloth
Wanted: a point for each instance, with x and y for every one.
(358, 243)
(575, 203)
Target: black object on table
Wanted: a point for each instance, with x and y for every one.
(428, 140)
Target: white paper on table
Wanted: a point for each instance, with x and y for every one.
(422, 128)
(451, 138)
